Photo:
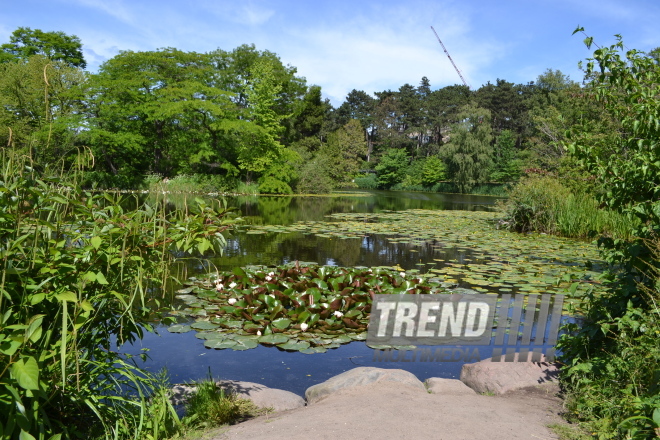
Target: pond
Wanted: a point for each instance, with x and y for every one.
(445, 235)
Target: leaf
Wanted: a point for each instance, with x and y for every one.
(282, 323)
(204, 325)
(179, 328)
(25, 436)
(100, 278)
(67, 296)
(26, 373)
(273, 339)
(294, 345)
(96, 242)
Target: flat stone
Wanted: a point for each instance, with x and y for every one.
(260, 395)
(361, 376)
(448, 387)
(500, 377)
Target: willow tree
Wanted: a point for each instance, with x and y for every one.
(469, 153)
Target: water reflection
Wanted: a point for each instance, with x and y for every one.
(187, 359)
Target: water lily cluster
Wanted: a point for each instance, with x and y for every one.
(303, 307)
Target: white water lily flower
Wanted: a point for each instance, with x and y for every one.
(232, 301)
(271, 274)
(219, 286)
(338, 314)
(258, 332)
(232, 285)
(303, 326)
(268, 278)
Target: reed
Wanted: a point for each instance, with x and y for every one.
(76, 267)
(543, 204)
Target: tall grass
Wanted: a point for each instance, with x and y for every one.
(75, 269)
(189, 183)
(543, 204)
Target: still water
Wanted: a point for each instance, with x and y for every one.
(185, 357)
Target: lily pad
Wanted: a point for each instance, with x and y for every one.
(179, 328)
(294, 345)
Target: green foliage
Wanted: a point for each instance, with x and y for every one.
(210, 405)
(506, 165)
(247, 188)
(469, 154)
(612, 361)
(271, 185)
(543, 204)
(76, 271)
(189, 183)
(391, 168)
(368, 181)
(38, 102)
(344, 151)
(313, 177)
(56, 46)
(434, 170)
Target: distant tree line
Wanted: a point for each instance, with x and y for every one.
(244, 116)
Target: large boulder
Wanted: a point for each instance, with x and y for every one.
(500, 377)
(361, 376)
(448, 387)
(260, 395)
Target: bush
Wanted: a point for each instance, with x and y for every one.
(74, 266)
(368, 181)
(193, 183)
(313, 177)
(542, 204)
(271, 185)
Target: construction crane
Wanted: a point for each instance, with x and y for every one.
(449, 56)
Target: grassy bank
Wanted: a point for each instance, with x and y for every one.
(543, 204)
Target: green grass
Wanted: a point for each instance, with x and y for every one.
(543, 204)
(210, 406)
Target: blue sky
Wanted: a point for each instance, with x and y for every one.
(363, 44)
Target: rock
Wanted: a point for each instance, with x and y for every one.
(260, 395)
(448, 387)
(361, 376)
(499, 377)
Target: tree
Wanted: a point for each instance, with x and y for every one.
(57, 46)
(469, 153)
(235, 70)
(310, 115)
(359, 105)
(507, 167)
(39, 100)
(344, 152)
(443, 107)
(508, 104)
(159, 112)
(391, 168)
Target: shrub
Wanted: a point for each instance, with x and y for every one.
(368, 181)
(542, 204)
(271, 185)
(75, 266)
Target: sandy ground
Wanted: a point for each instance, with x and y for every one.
(394, 411)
